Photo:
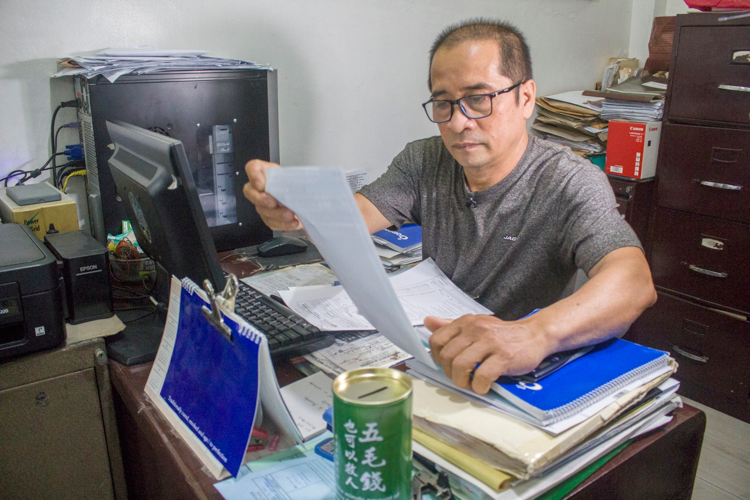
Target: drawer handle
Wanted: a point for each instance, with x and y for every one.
(718, 185)
(699, 359)
(735, 88)
(707, 272)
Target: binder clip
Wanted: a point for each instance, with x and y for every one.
(429, 480)
(224, 300)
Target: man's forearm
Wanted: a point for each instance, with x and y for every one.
(620, 288)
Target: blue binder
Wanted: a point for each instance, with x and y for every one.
(605, 369)
(212, 382)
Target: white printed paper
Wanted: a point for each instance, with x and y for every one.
(291, 277)
(307, 399)
(323, 201)
(422, 290)
(372, 351)
(308, 478)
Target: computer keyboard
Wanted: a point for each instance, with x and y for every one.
(288, 334)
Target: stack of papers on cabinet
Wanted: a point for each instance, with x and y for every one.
(572, 119)
(619, 109)
(113, 63)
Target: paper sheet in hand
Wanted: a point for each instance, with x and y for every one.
(323, 201)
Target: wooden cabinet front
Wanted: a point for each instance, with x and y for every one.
(706, 170)
(702, 257)
(711, 79)
(712, 348)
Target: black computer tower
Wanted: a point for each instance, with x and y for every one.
(223, 118)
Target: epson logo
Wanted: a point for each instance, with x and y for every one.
(92, 267)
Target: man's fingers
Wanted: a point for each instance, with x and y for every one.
(432, 323)
(441, 336)
(256, 173)
(489, 371)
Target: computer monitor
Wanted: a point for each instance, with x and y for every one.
(154, 182)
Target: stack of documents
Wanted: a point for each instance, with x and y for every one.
(522, 435)
(619, 109)
(113, 63)
(636, 99)
(572, 119)
(400, 247)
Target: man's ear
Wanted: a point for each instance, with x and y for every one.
(528, 98)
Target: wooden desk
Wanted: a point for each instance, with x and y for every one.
(158, 464)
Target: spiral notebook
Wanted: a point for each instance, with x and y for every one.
(607, 368)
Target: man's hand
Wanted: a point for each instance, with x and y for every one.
(274, 214)
(502, 348)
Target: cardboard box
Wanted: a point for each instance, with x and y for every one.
(39, 216)
(632, 148)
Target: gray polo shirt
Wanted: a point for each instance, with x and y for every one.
(518, 245)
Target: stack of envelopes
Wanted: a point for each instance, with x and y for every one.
(572, 119)
(517, 442)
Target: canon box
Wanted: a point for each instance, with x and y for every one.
(632, 148)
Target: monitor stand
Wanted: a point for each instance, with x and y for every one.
(140, 339)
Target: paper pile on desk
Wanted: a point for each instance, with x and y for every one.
(113, 63)
(422, 290)
(572, 119)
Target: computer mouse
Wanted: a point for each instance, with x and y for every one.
(283, 245)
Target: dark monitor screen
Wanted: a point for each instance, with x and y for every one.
(157, 188)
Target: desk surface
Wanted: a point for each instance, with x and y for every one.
(158, 464)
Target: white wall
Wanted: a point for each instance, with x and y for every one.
(352, 74)
(644, 12)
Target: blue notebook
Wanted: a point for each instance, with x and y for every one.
(407, 238)
(601, 372)
(219, 409)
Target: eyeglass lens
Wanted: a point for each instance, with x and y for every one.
(475, 106)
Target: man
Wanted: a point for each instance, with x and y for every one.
(508, 217)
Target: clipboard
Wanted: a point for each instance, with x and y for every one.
(210, 375)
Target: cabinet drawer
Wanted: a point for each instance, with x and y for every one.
(705, 170)
(702, 257)
(711, 77)
(712, 349)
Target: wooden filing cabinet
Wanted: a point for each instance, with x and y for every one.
(58, 433)
(699, 232)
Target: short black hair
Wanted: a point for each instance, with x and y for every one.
(515, 59)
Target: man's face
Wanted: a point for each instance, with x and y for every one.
(472, 67)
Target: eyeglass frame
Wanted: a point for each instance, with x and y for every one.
(461, 106)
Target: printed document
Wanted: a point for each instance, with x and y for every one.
(323, 201)
(423, 291)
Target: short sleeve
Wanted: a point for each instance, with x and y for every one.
(592, 225)
(396, 192)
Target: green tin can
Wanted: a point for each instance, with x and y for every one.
(372, 434)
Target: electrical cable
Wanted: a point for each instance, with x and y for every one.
(73, 174)
(54, 142)
(31, 174)
(52, 137)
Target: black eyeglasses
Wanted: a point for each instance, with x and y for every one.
(472, 106)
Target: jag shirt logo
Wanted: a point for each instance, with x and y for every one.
(510, 238)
